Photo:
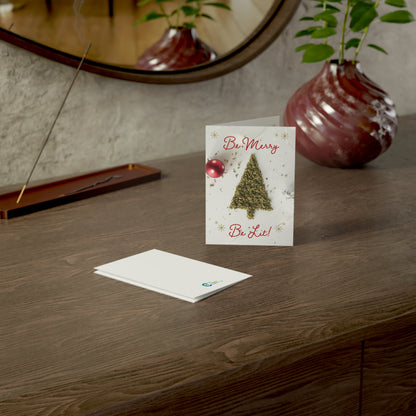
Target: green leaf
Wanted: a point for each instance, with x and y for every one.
(304, 47)
(358, 9)
(207, 16)
(305, 18)
(189, 10)
(317, 53)
(323, 33)
(327, 17)
(189, 25)
(216, 4)
(150, 16)
(307, 32)
(352, 43)
(399, 16)
(396, 3)
(362, 14)
(142, 3)
(324, 13)
(328, 7)
(379, 48)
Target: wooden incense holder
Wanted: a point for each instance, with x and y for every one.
(73, 189)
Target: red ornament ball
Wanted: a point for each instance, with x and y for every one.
(214, 168)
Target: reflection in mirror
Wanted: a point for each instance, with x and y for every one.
(61, 29)
(180, 46)
(68, 25)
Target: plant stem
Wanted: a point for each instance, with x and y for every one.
(195, 15)
(177, 12)
(357, 50)
(325, 23)
(166, 15)
(344, 26)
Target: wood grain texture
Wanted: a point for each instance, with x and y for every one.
(389, 386)
(73, 342)
(266, 388)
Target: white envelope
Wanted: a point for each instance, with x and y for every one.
(172, 275)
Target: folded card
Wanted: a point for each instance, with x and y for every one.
(172, 275)
(250, 183)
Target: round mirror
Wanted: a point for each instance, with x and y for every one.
(120, 32)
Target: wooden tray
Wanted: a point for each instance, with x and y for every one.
(60, 192)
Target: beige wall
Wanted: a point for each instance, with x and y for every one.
(107, 122)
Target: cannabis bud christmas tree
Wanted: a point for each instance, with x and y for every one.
(251, 193)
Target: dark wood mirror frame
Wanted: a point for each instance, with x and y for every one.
(272, 25)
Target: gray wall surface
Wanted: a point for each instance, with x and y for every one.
(108, 122)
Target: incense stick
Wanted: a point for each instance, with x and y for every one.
(53, 124)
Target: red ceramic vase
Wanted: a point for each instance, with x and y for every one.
(177, 49)
(342, 118)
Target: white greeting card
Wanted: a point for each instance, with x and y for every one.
(172, 275)
(250, 199)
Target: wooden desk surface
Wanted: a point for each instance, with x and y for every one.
(73, 342)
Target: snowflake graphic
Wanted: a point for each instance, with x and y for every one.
(279, 227)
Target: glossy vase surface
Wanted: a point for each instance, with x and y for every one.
(342, 118)
(178, 48)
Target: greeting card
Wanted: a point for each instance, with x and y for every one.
(250, 183)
